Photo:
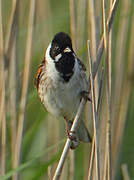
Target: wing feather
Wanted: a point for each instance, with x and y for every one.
(38, 74)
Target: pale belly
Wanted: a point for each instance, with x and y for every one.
(62, 100)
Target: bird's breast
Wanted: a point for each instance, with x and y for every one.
(60, 99)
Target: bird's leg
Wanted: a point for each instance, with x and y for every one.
(85, 95)
(70, 134)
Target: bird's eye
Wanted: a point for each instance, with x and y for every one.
(56, 46)
(56, 50)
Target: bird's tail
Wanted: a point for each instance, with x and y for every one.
(83, 133)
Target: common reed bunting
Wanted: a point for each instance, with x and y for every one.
(61, 81)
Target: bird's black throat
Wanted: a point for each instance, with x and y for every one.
(65, 66)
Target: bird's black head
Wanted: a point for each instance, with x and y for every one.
(60, 42)
(63, 56)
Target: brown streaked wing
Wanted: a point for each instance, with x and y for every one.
(38, 75)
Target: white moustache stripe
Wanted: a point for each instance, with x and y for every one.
(57, 57)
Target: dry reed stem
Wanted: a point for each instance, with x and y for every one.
(109, 25)
(2, 65)
(131, 54)
(108, 128)
(101, 108)
(12, 98)
(105, 49)
(3, 138)
(125, 173)
(107, 43)
(2, 102)
(100, 92)
(91, 31)
(10, 55)
(11, 26)
(107, 161)
(72, 11)
(24, 84)
(101, 44)
(91, 160)
(92, 26)
(81, 106)
(74, 23)
(109, 63)
(80, 30)
(104, 24)
(68, 142)
(2, 119)
(90, 172)
(10, 52)
(71, 165)
(94, 111)
(93, 38)
(109, 54)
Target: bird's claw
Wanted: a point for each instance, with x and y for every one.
(85, 95)
(71, 135)
(74, 140)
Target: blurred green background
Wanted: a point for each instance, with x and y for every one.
(42, 133)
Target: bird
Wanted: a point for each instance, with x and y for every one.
(61, 83)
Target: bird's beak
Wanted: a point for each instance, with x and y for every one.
(67, 50)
